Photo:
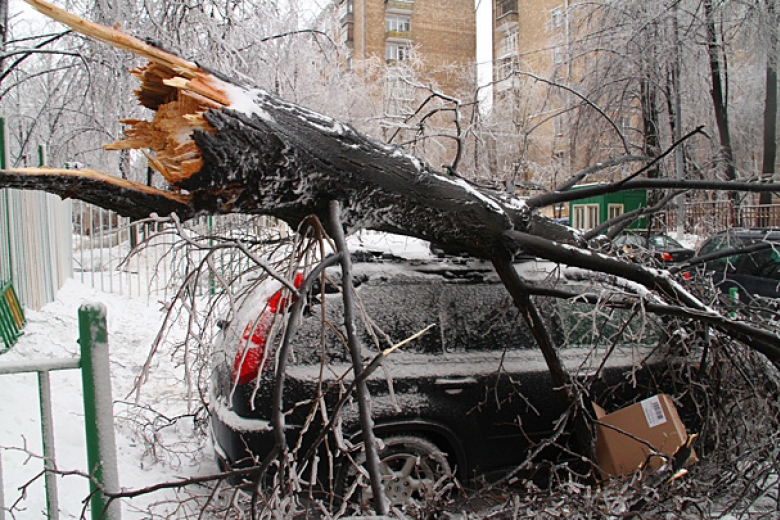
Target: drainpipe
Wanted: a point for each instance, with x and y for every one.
(363, 36)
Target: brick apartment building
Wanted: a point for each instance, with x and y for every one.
(531, 36)
(525, 35)
(441, 32)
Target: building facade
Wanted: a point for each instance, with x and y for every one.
(441, 33)
(529, 55)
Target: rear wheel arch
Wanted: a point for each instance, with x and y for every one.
(441, 436)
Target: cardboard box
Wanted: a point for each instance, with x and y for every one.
(654, 420)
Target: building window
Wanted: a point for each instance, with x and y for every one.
(585, 216)
(346, 33)
(504, 7)
(558, 125)
(397, 51)
(557, 55)
(399, 89)
(510, 42)
(556, 18)
(506, 67)
(400, 24)
(625, 124)
(615, 210)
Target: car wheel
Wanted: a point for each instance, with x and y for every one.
(415, 475)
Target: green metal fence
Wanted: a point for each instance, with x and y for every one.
(98, 416)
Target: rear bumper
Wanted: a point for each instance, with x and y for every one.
(238, 442)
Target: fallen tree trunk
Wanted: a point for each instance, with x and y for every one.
(228, 148)
(224, 147)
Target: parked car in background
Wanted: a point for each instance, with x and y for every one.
(751, 275)
(663, 248)
(471, 397)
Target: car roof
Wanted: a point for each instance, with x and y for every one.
(757, 233)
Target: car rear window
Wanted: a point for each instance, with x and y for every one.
(763, 264)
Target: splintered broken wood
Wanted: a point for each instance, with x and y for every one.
(177, 89)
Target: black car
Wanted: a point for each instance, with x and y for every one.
(663, 248)
(470, 397)
(750, 274)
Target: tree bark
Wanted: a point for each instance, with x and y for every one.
(719, 98)
(355, 352)
(3, 31)
(770, 105)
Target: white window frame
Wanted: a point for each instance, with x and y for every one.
(585, 216)
(615, 210)
(397, 51)
(557, 54)
(556, 17)
(399, 89)
(398, 23)
(558, 126)
(507, 66)
(510, 41)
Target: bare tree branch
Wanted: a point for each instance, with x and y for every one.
(364, 407)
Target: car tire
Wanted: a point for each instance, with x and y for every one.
(415, 473)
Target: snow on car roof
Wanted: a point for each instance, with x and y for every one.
(385, 243)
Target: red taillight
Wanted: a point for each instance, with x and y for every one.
(687, 276)
(251, 347)
(666, 256)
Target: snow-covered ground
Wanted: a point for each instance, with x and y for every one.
(52, 332)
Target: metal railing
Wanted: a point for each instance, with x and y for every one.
(137, 259)
(706, 217)
(98, 414)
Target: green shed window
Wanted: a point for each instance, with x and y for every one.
(586, 216)
(615, 210)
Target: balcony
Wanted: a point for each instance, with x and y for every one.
(345, 11)
(347, 34)
(400, 6)
(399, 35)
(507, 21)
(506, 8)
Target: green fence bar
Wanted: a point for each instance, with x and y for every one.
(98, 409)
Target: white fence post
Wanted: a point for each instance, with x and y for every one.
(47, 434)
